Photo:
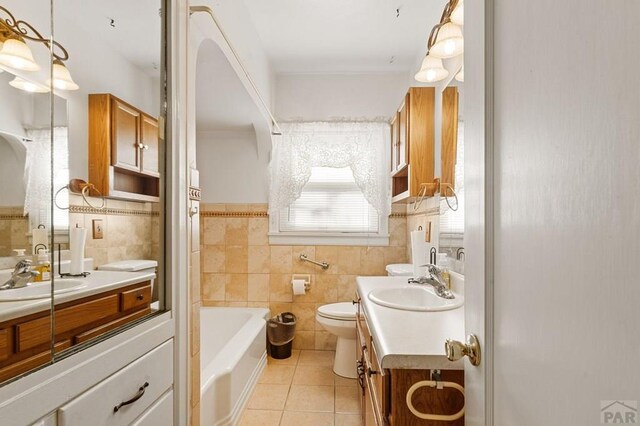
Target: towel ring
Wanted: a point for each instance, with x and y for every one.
(446, 199)
(421, 194)
(435, 417)
(79, 186)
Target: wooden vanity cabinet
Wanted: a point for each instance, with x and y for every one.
(413, 162)
(383, 391)
(124, 150)
(25, 341)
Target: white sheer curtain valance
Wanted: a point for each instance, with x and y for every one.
(362, 146)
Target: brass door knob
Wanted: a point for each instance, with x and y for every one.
(455, 350)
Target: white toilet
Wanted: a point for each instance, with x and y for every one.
(339, 319)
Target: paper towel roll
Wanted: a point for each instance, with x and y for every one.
(77, 239)
(39, 238)
(419, 252)
(298, 287)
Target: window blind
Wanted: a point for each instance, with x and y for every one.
(330, 202)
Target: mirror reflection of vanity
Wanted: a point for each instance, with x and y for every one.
(86, 256)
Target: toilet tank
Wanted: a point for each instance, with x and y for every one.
(400, 270)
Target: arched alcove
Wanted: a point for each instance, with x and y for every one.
(233, 166)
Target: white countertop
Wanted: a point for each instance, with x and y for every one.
(410, 339)
(97, 282)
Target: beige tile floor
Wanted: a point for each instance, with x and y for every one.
(303, 391)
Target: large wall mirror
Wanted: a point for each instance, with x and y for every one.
(81, 174)
(451, 203)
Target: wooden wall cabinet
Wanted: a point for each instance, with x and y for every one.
(383, 391)
(124, 150)
(413, 163)
(449, 138)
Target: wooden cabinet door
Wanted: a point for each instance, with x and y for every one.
(150, 146)
(403, 137)
(395, 143)
(125, 131)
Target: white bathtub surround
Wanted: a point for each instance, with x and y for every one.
(233, 356)
(339, 319)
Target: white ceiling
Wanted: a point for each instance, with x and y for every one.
(338, 36)
(222, 102)
(136, 29)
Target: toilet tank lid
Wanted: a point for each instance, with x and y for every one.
(400, 269)
(344, 310)
(129, 265)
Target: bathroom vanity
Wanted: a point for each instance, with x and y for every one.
(96, 305)
(399, 348)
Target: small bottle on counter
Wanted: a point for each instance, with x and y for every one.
(43, 266)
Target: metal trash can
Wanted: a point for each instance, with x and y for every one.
(280, 333)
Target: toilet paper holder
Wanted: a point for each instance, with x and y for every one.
(305, 277)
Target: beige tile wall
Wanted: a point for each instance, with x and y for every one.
(131, 230)
(240, 268)
(13, 230)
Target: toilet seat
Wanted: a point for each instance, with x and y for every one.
(342, 311)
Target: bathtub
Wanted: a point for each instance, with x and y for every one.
(232, 357)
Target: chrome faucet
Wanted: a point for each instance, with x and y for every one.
(435, 280)
(22, 275)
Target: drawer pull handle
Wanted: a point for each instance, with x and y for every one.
(140, 297)
(371, 372)
(139, 395)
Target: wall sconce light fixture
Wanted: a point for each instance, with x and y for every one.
(15, 54)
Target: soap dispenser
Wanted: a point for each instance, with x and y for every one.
(43, 266)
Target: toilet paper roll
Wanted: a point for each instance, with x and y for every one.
(39, 239)
(419, 252)
(77, 239)
(298, 287)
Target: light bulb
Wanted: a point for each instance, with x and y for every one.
(431, 70)
(449, 47)
(16, 54)
(28, 86)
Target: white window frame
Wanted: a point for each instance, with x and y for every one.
(345, 238)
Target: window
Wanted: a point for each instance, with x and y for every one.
(330, 202)
(330, 185)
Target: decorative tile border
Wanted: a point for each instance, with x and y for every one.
(111, 212)
(233, 214)
(428, 212)
(13, 217)
(194, 193)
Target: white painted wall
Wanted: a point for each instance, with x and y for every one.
(567, 216)
(231, 169)
(308, 97)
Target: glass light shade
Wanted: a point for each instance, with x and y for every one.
(431, 70)
(449, 43)
(457, 16)
(62, 77)
(17, 55)
(28, 86)
(460, 75)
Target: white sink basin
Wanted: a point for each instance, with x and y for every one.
(414, 298)
(40, 290)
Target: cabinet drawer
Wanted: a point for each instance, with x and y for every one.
(5, 343)
(37, 332)
(97, 405)
(136, 298)
(159, 414)
(103, 328)
(30, 363)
